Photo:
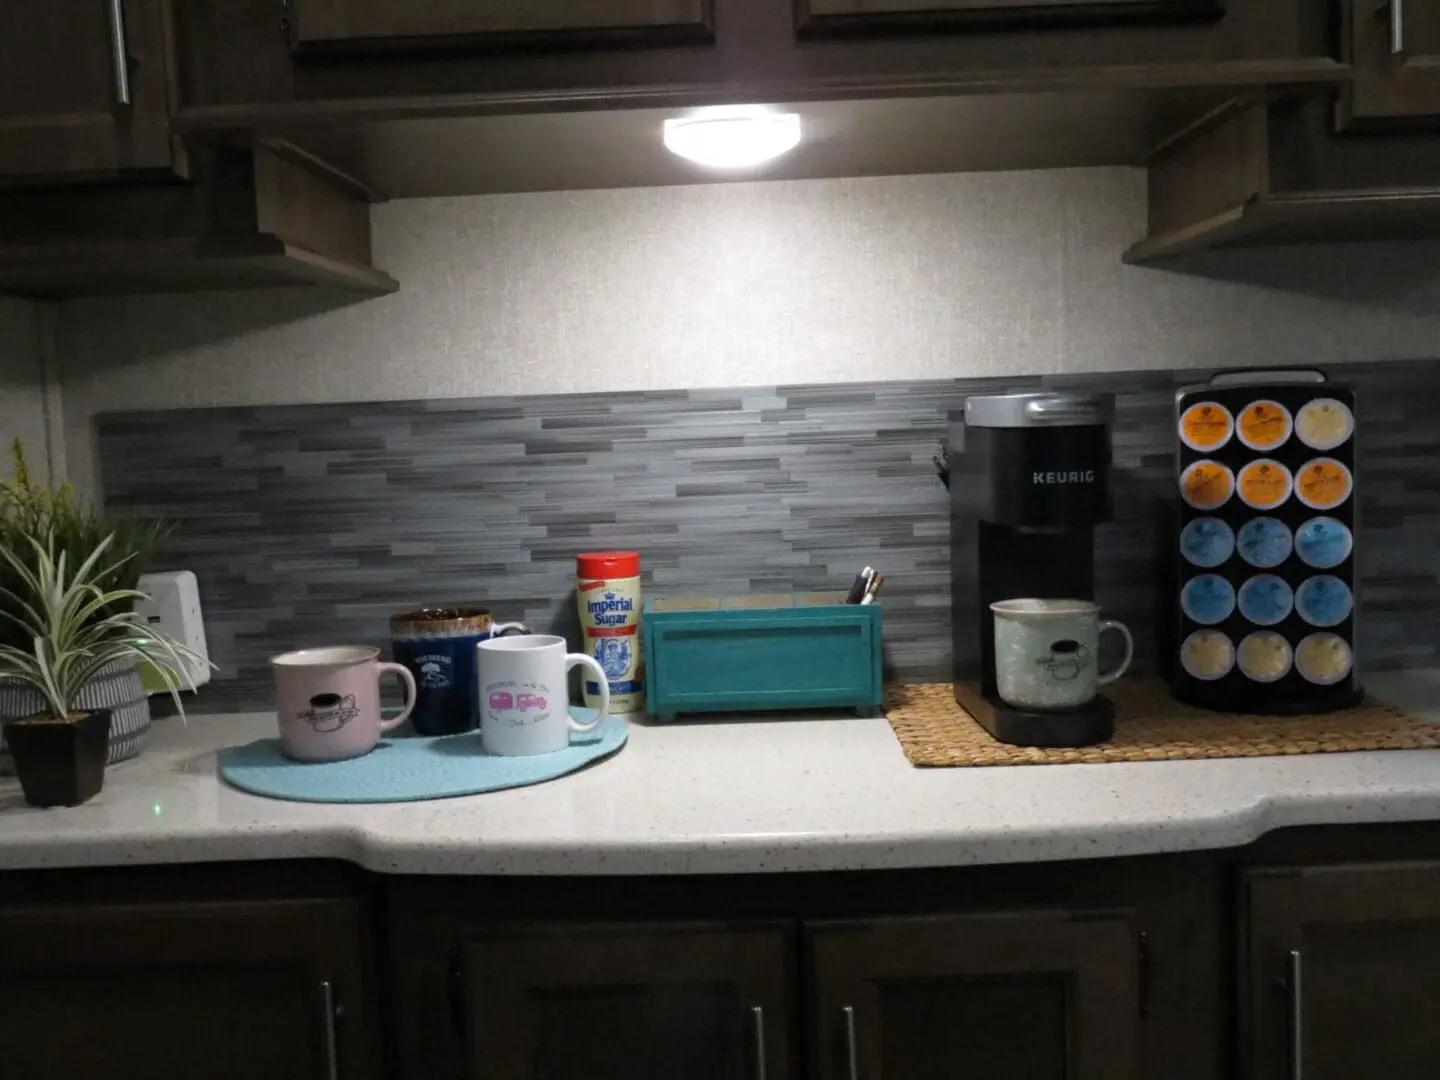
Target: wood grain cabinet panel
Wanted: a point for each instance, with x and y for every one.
(1022, 996)
(918, 16)
(67, 110)
(218, 990)
(1342, 972)
(658, 1002)
(1394, 50)
(356, 23)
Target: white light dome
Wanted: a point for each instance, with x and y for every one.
(732, 137)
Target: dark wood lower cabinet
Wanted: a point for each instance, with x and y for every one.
(1022, 996)
(215, 990)
(1289, 958)
(661, 1002)
(1342, 972)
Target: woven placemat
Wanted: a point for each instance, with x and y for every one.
(1150, 725)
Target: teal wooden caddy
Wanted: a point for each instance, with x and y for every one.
(745, 653)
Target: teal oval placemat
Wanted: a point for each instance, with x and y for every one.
(411, 768)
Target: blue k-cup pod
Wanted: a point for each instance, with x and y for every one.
(1207, 542)
(1264, 542)
(1324, 600)
(1323, 542)
(1208, 599)
(1266, 600)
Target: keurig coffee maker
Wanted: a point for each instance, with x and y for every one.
(1029, 481)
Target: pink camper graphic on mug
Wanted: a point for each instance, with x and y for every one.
(502, 699)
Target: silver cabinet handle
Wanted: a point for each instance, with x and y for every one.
(852, 1049)
(1297, 1017)
(1397, 27)
(327, 1027)
(757, 1019)
(120, 52)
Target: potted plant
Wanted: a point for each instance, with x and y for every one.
(34, 511)
(76, 629)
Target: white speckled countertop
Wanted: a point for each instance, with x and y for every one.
(729, 797)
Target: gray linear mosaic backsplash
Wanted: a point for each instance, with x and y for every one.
(312, 524)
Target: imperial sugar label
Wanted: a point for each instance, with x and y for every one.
(610, 613)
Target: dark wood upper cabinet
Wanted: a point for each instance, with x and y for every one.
(1023, 996)
(699, 1001)
(900, 16)
(1341, 972)
(358, 24)
(1394, 49)
(355, 62)
(262, 216)
(84, 90)
(276, 989)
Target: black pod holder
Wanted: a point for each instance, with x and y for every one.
(1236, 691)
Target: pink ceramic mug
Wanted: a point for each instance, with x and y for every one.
(329, 701)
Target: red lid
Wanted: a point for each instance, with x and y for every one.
(608, 564)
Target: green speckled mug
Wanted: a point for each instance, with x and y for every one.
(1047, 652)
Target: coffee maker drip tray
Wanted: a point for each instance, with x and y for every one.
(1091, 723)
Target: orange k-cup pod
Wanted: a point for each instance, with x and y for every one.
(1207, 484)
(1206, 426)
(1323, 484)
(1264, 484)
(1264, 425)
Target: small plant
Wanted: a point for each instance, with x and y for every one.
(30, 511)
(76, 626)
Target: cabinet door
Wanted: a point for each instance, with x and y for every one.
(1395, 55)
(275, 990)
(83, 89)
(709, 1002)
(341, 23)
(1342, 972)
(918, 16)
(1033, 996)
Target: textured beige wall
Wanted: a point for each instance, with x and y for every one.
(743, 284)
(22, 384)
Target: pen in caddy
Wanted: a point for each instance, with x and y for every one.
(861, 586)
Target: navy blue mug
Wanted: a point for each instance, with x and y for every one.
(438, 646)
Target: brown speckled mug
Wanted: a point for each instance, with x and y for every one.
(437, 644)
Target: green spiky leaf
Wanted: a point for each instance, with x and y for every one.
(76, 626)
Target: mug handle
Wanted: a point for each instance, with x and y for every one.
(409, 681)
(496, 629)
(1111, 624)
(587, 661)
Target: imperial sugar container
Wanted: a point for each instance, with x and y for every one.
(607, 585)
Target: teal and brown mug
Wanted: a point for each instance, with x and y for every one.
(438, 644)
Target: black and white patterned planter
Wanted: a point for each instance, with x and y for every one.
(117, 688)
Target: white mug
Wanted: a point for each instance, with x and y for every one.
(1047, 652)
(524, 696)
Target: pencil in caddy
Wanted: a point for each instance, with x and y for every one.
(773, 652)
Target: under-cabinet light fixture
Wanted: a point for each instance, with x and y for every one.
(732, 136)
